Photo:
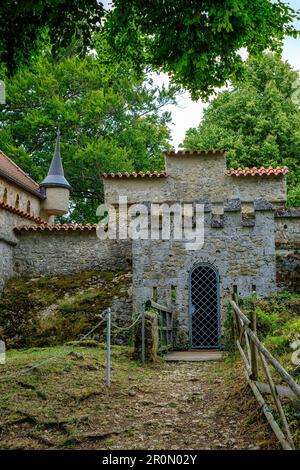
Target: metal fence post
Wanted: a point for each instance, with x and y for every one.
(143, 333)
(108, 347)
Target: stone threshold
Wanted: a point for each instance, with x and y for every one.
(194, 355)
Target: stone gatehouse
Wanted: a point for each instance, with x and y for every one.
(239, 251)
(251, 240)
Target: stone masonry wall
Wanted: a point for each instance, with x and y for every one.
(192, 178)
(8, 241)
(288, 249)
(244, 256)
(6, 263)
(58, 253)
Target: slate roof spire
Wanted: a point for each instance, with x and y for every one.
(56, 175)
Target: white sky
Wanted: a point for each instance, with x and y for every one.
(188, 113)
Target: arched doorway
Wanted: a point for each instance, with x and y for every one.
(204, 307)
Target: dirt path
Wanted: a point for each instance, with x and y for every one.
(183, 405)
(187, 406)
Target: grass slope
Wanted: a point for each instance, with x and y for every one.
(50, 311)
(65, 404)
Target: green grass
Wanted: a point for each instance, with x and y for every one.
(70, 388)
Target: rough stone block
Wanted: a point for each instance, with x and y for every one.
(262, 205)
(232, 205)
(217, 221)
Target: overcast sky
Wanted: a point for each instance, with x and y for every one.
(188, 113)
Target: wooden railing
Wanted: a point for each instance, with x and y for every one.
(165, 326)
(255, 358)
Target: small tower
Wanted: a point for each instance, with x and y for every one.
(55, 187)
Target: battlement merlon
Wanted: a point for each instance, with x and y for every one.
(191, 176)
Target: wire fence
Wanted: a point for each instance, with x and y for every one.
(105, 316)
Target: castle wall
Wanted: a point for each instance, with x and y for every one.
(249, 188)
(194, 178)
(136, 190)
(24, 197)
(6, 262)
(58, 253)
(244, 256)
(8, 241)
(288, 249)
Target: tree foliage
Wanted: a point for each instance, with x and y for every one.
(197, 42)
(110, 120)
(257, 121)
(24, 25)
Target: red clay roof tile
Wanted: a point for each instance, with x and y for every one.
(10, 169)
(148, 174)
(191, 153)
(56, 227)
(258, 171)
(19, 212)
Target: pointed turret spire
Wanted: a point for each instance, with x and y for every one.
(56, 175)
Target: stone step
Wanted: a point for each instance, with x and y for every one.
(194, 355)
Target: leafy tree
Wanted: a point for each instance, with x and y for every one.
(110, 120)
(197, 42)
(24, 25)
(257, 121)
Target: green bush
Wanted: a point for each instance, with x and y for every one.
(292, 329)
(277, 344)
(228, 330)
(268, 323)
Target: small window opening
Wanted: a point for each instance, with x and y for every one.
(285, 226)
(5, 195)
(154, 294)
(253, 287)
(17, 203)
(235, 293)
(28, 208)
(160, 221)
(173, 294)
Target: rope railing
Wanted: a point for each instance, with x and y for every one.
(105, 316)
(125, 328)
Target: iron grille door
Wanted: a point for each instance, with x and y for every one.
(204, 308)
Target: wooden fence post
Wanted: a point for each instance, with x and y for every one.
(108, 366)
(143, 334)
(256, 350)
(236, 322)
(254, 366)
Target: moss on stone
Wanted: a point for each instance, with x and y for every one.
(50, 311)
